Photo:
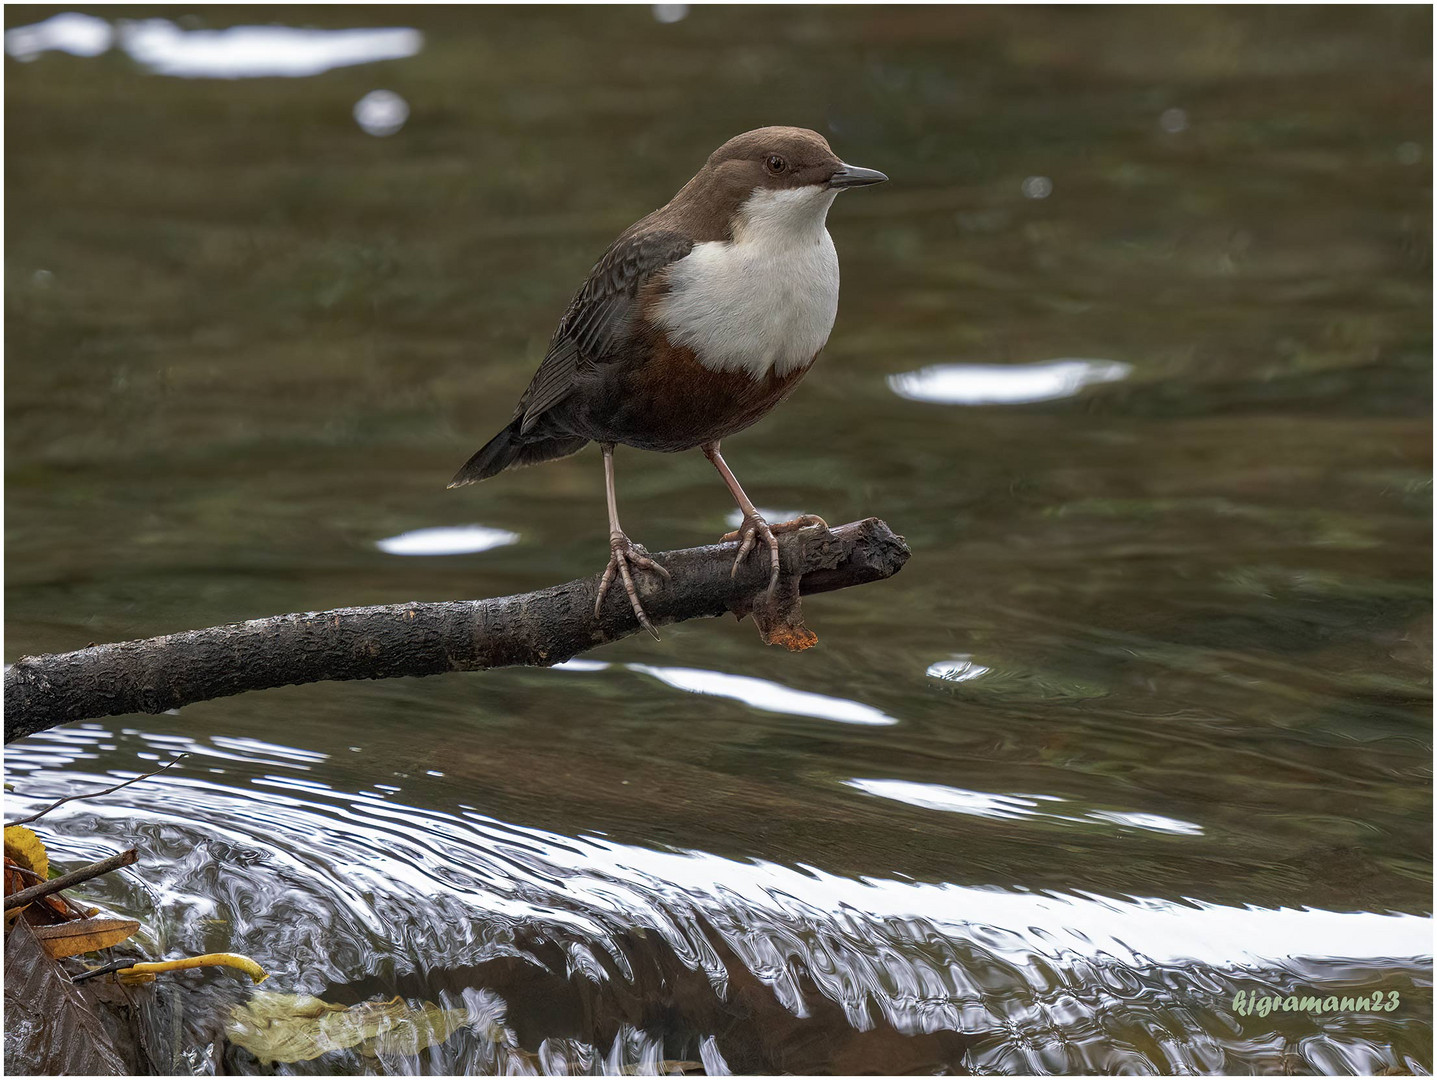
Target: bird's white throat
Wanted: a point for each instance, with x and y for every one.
(766, 300)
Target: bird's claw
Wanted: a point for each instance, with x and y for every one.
(755, 528)
(622, 553)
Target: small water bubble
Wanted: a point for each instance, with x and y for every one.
(1173, 120)
(1409, 153)
(670, 13)
(381, 112)
(42, 279)
(1037, 187)
(959, 669)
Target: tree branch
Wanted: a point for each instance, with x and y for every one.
(537, 629)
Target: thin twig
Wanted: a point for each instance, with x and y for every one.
(103, 969)
(74, 877)
(93, 794)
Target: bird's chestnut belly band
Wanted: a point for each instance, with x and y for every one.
(671, 402)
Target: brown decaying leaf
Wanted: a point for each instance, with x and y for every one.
(83, 935)
(49, 1030)
(51, 911)
(15, 876)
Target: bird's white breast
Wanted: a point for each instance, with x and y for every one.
(765, 300)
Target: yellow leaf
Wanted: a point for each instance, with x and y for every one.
(25, 848)
(83, 935)
(138, 972)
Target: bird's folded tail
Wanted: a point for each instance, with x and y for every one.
(510, 450)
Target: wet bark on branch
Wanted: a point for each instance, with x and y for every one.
(537, 629)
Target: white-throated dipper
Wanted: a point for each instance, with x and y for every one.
(696, 322)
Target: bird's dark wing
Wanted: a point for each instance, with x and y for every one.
(599, 317)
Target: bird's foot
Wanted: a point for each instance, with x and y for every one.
(622, 553)
(754, 528)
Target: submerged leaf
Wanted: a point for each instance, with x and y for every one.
(147, 972)
(83, 935)
(298, 1027)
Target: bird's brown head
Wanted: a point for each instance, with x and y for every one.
(770, 159)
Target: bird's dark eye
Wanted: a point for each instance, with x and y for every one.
(776, 165)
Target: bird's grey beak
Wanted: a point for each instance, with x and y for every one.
(849, 176)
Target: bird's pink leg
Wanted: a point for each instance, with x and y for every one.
(622, 552)
(753, 527)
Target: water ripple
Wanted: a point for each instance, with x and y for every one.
(328, 888)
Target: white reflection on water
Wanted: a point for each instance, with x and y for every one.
(237, 749)
(1151, 822)
(959, 800)
(769, 696)
(71, 32)
(447, 540)
(991, 805)
(239, 52)
(1004, 384)
(579, 664)
(248, 52)
(759, 693)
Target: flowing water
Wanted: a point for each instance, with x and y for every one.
(1135, 349)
